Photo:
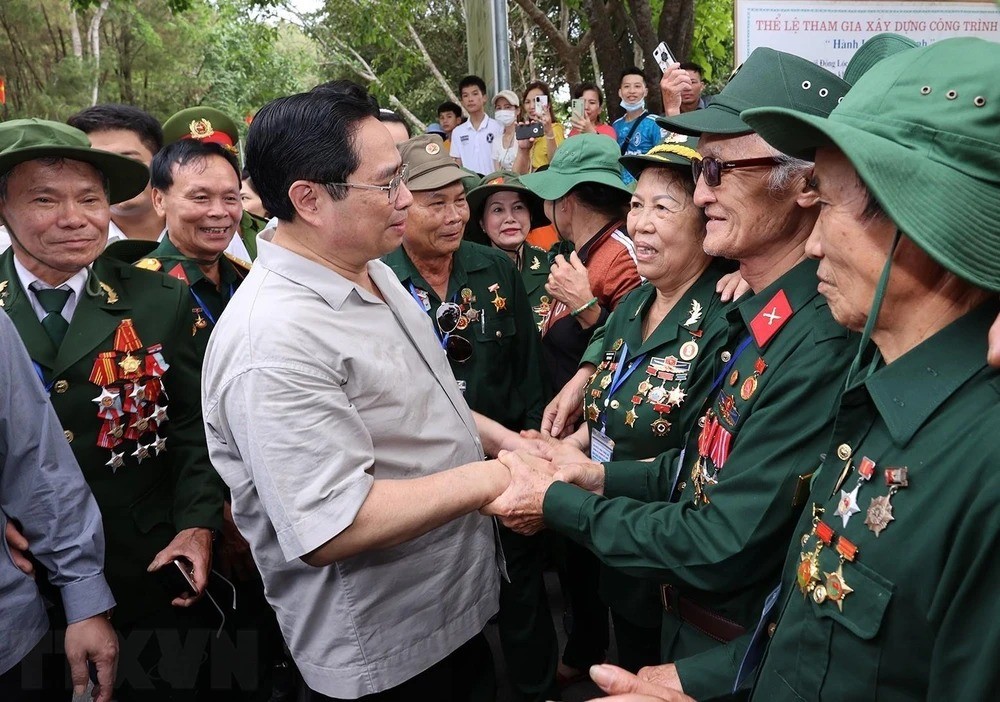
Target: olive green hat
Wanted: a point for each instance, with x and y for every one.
(678, 153)
(768, 78)
(500, 181)
(204, 124)
(27, 139)
(921, 130)
(876, 48)
(428, 163)
(585, 158)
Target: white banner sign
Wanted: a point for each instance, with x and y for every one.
(828, 32)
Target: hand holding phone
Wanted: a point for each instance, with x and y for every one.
(663, 56)
(531, 130)
(541, 104)
(176, 578)
(577, 109)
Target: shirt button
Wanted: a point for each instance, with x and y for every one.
(615, 404)
(61, 386)
(69, 436)
(725, 356)
(499, 333)
(770, 629)
(843, 452)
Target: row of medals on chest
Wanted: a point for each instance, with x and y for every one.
(832, 586)
(661, 398)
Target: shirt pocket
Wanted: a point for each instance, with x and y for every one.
(496, 329)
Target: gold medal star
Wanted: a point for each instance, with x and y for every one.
(630, 417)
(593, 412)
(836, 587)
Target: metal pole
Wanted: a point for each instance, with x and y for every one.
(501, 46)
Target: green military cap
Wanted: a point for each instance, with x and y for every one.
(586, 158)
(204, 124)
(678, 153)
(768, 78)
(500, 181)
(920, 128)
(878, 47)
(428, 164)
(28, 139)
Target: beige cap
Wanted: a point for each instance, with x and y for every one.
(430, 166)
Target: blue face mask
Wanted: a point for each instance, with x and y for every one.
(633, 106)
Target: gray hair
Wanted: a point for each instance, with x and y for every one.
(788, 170)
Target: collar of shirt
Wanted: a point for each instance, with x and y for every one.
(908, 391)
(799, 285)
(115, 233)
(167, 252)
(76, 284)
(464, 261)
(598, 239)
(328, 284)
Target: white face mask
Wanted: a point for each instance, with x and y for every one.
(505, 117)
(633, 106)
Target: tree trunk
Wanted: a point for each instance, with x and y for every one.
(94, 35)
(610, 37)
(74, 27)
(676, 27)
(569, 54)
(429, 62)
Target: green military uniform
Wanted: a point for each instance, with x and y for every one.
(630, 401)
(145, 459)
(535, 274)
(759, 437)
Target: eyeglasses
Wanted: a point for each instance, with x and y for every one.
(449, 317)
(713, 167)
(392, 187)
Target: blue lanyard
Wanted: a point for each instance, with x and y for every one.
(41, 376)
(420, 303)
(620, 377)
(204, 307)
(725, 371)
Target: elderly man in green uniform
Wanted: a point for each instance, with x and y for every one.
(211, 126)
(742, 477)
(502, 213)
(480, 311)
(113, 347)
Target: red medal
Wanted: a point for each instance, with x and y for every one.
(126, 338)
(105, 370)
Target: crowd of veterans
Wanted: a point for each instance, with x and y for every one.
(301, 425)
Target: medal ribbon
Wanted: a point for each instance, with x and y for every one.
(204, 307)
(622, 374)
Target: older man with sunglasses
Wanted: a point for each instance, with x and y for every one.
(710, 521)
(482, 316)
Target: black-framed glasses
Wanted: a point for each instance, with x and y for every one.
(449, 318)
(392, 188)
(712, 168)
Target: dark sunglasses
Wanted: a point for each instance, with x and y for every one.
(712, 168)
(457, 348)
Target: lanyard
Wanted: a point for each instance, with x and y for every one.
(41, 377)
(725, 371)
(620, 377)
(420, 303)
(204, 307)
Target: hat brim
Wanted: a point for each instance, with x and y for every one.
(477, 198)
(435, 178)
(922, 196)
(714, 119)
(552, 185)
(126, 177)
(636, 163)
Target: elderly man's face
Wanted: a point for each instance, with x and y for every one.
(745, 219)
(437, 221)
(58, 213)
(851, 247)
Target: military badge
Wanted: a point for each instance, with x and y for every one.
(200, 129)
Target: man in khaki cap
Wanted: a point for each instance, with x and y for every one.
(482, 317)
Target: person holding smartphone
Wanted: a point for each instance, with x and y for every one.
(537, 152)
(588, 121)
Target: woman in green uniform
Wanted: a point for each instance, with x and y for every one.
(656, 349)
(503, 212)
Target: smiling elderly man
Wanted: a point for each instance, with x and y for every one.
(112, 346)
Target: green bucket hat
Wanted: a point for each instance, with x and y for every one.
(677, 154)
(768, 78)
(500, 181)
(878, 47)
(27, 139)
(204, 124)
(586, 158)
(921, 130)
(428, 163)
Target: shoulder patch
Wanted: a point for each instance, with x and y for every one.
(149, 264)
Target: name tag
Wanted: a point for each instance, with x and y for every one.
(602, 447)
(464, 138)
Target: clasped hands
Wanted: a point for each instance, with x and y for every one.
(533, 470)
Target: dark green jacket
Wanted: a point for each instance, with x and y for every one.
(725, 554)
(921, 620)
(638, 430)
(503, 377)
(145, 504)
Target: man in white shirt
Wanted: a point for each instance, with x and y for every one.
(472, 141)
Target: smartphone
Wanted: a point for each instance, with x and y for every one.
(532, 130)
(664, 56)
(577, 108)
(541, 104)
(176, 578)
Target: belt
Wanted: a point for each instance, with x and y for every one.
(708, 622)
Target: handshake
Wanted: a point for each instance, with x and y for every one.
(535, 461)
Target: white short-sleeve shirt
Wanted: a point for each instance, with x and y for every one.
(475, 146)
(312, 389)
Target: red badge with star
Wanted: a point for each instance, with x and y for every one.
(772, 317)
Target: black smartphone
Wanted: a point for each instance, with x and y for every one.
(176, 578)
(532, 130)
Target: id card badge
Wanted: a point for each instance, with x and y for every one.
(602, 447)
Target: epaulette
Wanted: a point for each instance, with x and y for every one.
(150, 264)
